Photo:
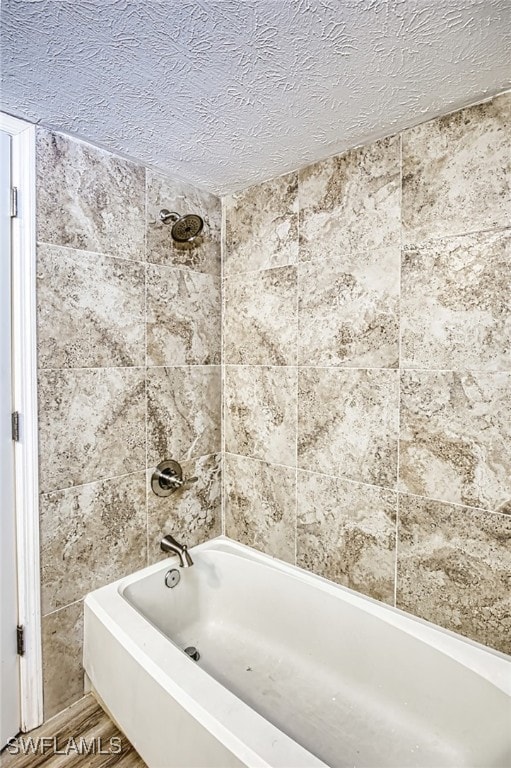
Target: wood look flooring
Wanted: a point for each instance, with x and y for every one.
(85, 725)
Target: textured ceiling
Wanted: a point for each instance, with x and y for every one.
(225, 93)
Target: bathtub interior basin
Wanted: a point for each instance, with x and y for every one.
(352, 682)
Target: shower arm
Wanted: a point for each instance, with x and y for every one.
(166, 216)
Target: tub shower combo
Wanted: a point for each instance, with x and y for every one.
(244, 660)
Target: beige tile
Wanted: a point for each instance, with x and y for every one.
(260, 412)
(351, 202)
(91, 425)
(62, 640)
(348, 310)
(192, 514)
(183, 412)
(90, 536)
(90, 309)
(183, 317)
(260, 320)
(455, 304)
(456, 172)
(455, 442)
(89, 199)
(348, 423)
(346, 532)
(203, 255)
(261, 226)
(453, 569)
(260, 507)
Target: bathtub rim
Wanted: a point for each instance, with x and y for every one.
(246, 734)
(252, 739)
(444, 640)
(489, 663)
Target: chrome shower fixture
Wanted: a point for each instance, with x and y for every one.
(186, 228)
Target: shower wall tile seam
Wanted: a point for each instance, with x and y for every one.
(410, 244)
(141, 262)
(92, 482)
(183, 365)
(63, 607)
(386, 488)
(222, 362)
(182, 459)
(470, 507)
(319, 260)
(315, 367)
(407, 369)
(181, 268)
(400, 330)
(145, 378)
(88, 252)
(396, 544)
(403, 246)
(95, 368)
(95, 481)
(231, 275)
(297, 302)
(299, 469)
(130, 367)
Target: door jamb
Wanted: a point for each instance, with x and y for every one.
(26, 461)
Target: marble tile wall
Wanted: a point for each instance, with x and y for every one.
(129, 374)
(367, 369)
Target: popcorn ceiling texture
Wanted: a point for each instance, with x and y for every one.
(226, 93)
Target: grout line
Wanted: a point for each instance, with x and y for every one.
(63, 607)
(126, 260)
(188, 366)
(182, 268)
(401, 245)
(222, 364)
(89, 252)
(398, 468)
(421, 243)
(385, 488)
(454, 504)
(321, 367)
(92, 482)
(396, 543)
(311, 472)
(296, 359)
(142, 367)
(96, 368)
(145, 377)
(248, 272)
(397, 369)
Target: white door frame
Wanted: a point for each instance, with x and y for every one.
(26, 461)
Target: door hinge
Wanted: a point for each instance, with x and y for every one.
(20, 640)
(14, 202)
(15, 422)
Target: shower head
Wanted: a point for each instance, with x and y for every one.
(184, 228)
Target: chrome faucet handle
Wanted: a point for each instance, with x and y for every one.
(168, 478)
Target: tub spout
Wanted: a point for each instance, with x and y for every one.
(170, 545)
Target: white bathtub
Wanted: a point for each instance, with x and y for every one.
(294, 672)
